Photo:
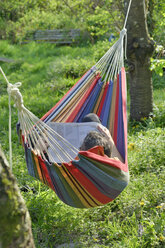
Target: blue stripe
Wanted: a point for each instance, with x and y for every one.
(71, 94)
(29, 161)
(120, 130)
(59, 186)
(92, 101)
(107, 105)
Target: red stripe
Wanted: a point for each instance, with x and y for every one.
(105, 160)
(116, 112)
(77, 108)
(56, 105)
(102, 100)
(87, 184)
(46, 173)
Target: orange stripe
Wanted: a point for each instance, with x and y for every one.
(54, 107)
(74, 101)
(98, 101)
(75, 189)
(85, 193)
(38, 167)
(102, 100)
(82, 100)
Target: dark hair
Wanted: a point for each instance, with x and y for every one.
(91, 117)
(95, 138)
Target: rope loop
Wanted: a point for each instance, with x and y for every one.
(14, 92)
(123, 32)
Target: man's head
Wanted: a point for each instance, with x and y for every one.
(91, 117)
(95, 138)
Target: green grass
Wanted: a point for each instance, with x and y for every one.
(136, 217)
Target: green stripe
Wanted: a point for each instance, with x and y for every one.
(73, 179)
(69, 191)
(112, 171)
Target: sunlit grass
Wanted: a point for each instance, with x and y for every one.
(136, 217)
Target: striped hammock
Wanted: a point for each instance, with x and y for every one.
(81, 179)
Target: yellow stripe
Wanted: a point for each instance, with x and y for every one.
(69, 107)
(74, 103)
(93, 201)
(98, 101)
(74, 188)
(38, 168)
(82, 194)
(96, 202)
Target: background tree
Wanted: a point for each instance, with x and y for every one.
(140, 49)
(15, 223)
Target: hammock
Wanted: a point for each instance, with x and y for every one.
(81, 179)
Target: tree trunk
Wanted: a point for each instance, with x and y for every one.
(139, 50)
(15, 224)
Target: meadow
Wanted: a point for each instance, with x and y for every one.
(136, 219)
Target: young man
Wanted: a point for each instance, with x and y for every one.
(101, 138)
(95, 138)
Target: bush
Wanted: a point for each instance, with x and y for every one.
(100, 48)
(73, 68)
(39, 20)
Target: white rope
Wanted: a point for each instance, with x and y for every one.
(9, 102)
(40, 132)
(126, 18)
(10, 137)
(12, 89)
(37, 134)
(110, 64)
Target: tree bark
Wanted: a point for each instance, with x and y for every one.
(139, 50)
(15, 223)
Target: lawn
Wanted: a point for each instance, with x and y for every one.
(136, 218)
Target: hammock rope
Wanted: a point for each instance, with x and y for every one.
(111, 63)
(36, 137)
(41, 135)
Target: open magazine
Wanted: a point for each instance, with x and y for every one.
(72, 132)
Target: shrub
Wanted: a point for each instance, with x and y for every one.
(71, 67)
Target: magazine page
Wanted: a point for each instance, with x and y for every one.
(74, 133)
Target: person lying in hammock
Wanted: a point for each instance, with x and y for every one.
(102, 138)
(95, 138)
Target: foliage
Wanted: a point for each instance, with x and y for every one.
(73, 68)
(101, 48)
(159, 21)
(157, 65)
(97, 18)
(18, 19)
(158, 60)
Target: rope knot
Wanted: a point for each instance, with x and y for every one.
(123, 35)
(123, 32)
(14, 92)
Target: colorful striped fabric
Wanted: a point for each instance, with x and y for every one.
(92, 179)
